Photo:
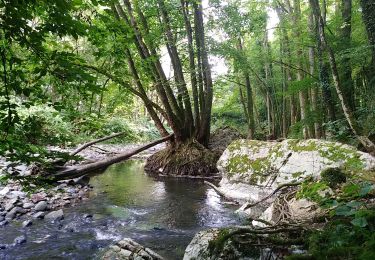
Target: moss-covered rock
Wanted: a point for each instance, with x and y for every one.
(269, 164)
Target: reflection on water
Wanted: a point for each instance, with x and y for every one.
(163, 214)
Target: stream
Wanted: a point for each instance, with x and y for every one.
(160, 213)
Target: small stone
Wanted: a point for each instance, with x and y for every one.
(10, 204)
(27, 223)
(87, 216)
(39, 215)
(41, 206)
(19, 240)
(19, 194)
(28, 205)
(55, 215)
(4, 191)
(4, 223)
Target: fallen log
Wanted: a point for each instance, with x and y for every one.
(76, 171)
(84, 146)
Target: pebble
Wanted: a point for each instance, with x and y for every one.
(28, 205)
(10, 204)
(4, 191)
(27, 223)
(55, 215)
(19, 240)
(4, 223)
(39, 215)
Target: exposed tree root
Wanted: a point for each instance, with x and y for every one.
(281, 187)
(187, 159)
(276, 236)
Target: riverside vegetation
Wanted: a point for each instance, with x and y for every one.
(274, 98)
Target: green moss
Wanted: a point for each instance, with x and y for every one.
(218, 243)
(297, 174)
(297, 146)
(335, 153)
(242, 164)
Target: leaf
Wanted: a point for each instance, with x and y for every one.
(366, 189)
(359, 222)
(344, 210)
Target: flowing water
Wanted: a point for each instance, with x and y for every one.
(162, 214)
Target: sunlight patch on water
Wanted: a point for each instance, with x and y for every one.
(100, 235)
(213, 200)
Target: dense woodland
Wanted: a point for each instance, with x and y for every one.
(73, 69)
(182, 71)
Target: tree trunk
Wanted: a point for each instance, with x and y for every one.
(76, 171)
(368, 14)
(249, 98)
(302, 93)
(368, 145)
(345, 43)
(314, 90)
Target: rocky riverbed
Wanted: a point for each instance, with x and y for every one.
(26, 202)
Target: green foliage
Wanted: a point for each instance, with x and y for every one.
(341, 240)
(42, 124)
(313, 191)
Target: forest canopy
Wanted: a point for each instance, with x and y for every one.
(74, 69)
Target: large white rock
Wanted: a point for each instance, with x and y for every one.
(252, 169)
(199, 247)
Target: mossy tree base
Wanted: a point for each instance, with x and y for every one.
(186, 159)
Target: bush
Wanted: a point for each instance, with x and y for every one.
(42, 124)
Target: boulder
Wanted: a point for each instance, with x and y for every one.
(211, 245)
(199, 246)
(251, 167)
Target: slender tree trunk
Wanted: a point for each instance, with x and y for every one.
(314, 91)
(193, 73)
(302, 93)
(368, 14)
(345, 43)
(249, 98)
(204, 133)
(369, 145)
